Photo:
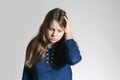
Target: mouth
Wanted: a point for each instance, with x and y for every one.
(53, 39)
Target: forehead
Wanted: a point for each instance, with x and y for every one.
(56, 25)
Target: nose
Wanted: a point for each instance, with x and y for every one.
(54, 33)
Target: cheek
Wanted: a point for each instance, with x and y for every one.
(48, 34)
(61, 35)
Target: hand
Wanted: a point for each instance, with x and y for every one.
(68, 34)
(67, 27)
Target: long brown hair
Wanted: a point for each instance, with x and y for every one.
(36, 48)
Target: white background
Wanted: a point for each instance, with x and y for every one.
(95, 25)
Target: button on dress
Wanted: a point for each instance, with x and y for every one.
(51, 67)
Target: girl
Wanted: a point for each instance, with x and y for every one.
(50, 54)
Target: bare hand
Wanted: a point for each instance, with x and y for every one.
(67, 28)
(68, 34)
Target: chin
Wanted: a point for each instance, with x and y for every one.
(53, 41)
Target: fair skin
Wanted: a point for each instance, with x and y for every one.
(68, 34)
(55, 32)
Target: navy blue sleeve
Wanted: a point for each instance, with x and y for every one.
(28, 74)
(24, 76)
(73, 53)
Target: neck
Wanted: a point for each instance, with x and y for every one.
(50, 45)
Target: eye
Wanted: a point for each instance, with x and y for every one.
(51, 29)
(60, 31)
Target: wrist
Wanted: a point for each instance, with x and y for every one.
(68, 36)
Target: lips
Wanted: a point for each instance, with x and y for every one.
(53, 39)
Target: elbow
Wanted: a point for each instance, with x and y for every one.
(75, 60)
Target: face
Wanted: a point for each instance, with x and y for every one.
(55, 32)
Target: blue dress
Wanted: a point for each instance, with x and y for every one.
(56, 65)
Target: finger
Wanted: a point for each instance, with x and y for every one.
(66, 18)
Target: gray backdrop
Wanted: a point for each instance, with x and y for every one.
(95, 25)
